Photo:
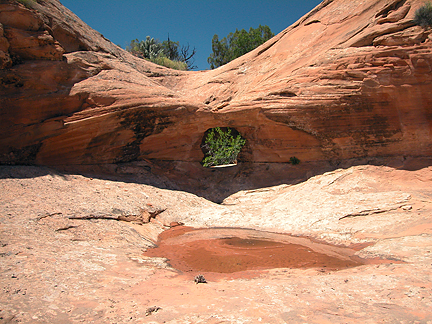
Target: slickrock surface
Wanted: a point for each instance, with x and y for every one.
(69, 254)
(346, 90)
(348, 80)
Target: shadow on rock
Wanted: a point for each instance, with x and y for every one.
(216, 184)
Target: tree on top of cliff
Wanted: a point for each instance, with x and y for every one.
(168, 53)
(175, 52)
(423, 15)
(237, 44)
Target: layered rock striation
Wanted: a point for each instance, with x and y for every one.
(348, 80)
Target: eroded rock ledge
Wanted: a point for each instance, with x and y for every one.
(348, 80)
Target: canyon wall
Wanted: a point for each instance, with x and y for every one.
(348, 80)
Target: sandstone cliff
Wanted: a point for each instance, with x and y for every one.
(348, 80)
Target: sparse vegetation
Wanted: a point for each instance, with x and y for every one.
(294, 160)
(237, 44)
(423, 16)
(200, 279)
(164, 61)
(222, 147)
(168, 53)
(148, 48)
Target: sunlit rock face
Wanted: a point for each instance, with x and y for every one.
(348, 80)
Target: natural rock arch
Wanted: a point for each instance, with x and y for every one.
(221, 146)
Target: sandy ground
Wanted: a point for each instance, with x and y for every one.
(68, 253)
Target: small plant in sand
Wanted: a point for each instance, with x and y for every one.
(222, 147)
(200, 279)
(423, 16)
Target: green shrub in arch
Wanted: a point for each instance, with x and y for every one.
(423, 15)
(222, 147)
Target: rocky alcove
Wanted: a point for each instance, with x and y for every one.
(101, 153)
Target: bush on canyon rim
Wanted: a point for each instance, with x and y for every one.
(164, 61)
(222, 147)
(167, 53)
(423, 15)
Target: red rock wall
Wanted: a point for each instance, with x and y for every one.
(348, 80)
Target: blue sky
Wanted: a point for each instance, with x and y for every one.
(187, 21)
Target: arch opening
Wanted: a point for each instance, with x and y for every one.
(221, 146)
